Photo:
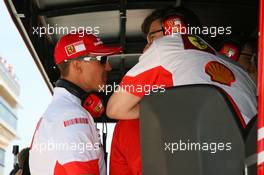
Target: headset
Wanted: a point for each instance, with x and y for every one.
(230, 48)
(179, 18)
(89, 100)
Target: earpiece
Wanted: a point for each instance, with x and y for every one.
(173, 24)
(179, 18)
(230, 49)
(89, 100)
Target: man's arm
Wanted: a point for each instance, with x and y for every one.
(123, 105)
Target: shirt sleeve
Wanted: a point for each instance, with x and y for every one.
(147, 75)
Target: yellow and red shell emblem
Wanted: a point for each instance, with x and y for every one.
(220, 73)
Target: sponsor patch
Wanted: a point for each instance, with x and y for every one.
(75, 48)
(220, 73)
(75, 121)
(197, 42)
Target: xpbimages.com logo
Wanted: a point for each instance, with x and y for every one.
(63, 147)
(63, 30)
(213, 31)
(212, 147)
(146, 89)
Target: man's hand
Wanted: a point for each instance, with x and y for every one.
(123, 105)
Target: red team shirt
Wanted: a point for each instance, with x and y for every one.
(174, 61)
(66, 141)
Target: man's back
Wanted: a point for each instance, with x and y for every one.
(176, 64)
(173, 61)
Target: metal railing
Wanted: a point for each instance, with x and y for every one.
(2, 157)
(9, 80)
(7, 115)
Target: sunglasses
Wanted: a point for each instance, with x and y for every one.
(156, 31)
(101, 59)
(152, 33)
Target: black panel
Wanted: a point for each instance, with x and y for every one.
(188, 118)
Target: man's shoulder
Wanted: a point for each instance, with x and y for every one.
(63, 109)
(62, 118)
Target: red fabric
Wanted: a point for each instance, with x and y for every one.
(37, 127)
(156, 76)
(261, 80)
(77, 168)
(94, 105)
(261, 169)
(260, 146)
(125, 156)
(66, 47)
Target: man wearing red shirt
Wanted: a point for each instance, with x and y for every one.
(172, 60)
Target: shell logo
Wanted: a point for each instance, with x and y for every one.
(220, 73)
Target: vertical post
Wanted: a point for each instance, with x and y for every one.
(260, 149)
(123, 19)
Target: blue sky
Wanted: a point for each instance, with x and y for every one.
(34, 96)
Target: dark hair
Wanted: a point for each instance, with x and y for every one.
(64, 68)
(156, 14)
(253, 44)
(23, 157)
(188, 17)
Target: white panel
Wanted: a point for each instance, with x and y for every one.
(134, 20)
(107, 23)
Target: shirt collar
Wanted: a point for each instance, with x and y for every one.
(62, 92)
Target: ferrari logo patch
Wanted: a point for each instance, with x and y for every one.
(197, 42)
(70, 50)
(220, 73)
(75, 48)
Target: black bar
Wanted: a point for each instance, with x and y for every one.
(78, 9)
(56, 11)
(123, 19)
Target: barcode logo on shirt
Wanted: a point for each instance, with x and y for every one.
(75, 121)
